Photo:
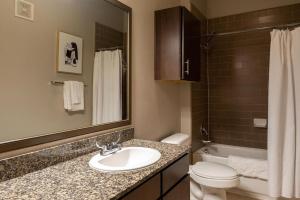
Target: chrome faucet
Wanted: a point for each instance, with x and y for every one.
(205, 133)
(110, 148)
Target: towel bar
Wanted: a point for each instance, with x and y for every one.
(60, 83)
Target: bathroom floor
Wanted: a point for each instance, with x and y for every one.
(237, 197)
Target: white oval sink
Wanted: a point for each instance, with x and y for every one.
(128, 158)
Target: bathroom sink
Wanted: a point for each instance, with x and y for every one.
(128, 158)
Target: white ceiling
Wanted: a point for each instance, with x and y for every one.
(220, 8)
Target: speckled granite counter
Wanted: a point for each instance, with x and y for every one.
(75, 180)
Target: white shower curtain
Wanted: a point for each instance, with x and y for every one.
(284, 114)
(107, 90)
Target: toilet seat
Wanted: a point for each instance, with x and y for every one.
(214, 171)
(214, 175)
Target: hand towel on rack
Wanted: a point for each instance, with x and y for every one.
(73, 96)
(249, 167)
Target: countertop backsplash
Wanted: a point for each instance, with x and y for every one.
(23, 164)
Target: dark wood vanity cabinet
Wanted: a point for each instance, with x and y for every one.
(150, 190)
(180, 192)
(177, 45)
(172, 183)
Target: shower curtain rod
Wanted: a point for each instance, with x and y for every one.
(111, 48)
(254, 29)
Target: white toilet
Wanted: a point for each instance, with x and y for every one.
(209, 180)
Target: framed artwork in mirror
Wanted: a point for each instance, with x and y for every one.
(69, 58)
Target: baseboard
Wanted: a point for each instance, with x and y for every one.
(251, 194)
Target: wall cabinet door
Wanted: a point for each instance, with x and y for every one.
(191, 46)
(177, 45)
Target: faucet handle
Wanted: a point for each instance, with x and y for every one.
(118, 140)
(101, 147)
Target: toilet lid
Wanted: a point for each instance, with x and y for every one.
(214, 171)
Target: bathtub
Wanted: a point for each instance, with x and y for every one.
(219, 153)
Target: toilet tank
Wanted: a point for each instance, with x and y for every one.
(177, 138)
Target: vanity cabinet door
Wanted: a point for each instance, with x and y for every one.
(149, 190)
(174, 173)
(180, 192)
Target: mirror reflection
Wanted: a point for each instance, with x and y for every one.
(64, 66)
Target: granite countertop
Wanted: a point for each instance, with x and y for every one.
(74, 179)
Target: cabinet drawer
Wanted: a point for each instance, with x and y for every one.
(174, 173)
(150, 190)
(180, 192)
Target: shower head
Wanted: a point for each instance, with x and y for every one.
(208, 39)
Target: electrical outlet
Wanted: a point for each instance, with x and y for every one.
(24, 9)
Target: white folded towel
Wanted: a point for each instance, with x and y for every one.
(73, 96)
(249, 167)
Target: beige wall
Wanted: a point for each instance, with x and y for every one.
(185, 109)
(201, 5)
(156, 104)
(219, 8)
(29, 106)
(159, 108)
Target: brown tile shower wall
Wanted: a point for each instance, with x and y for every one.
(200, 92)
(107, 37)
(238, 75)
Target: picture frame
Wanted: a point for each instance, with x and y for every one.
(69, 53)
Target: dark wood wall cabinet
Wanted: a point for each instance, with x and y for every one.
(171, 183)
(177, 45)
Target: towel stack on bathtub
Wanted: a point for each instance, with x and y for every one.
(249, 167)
